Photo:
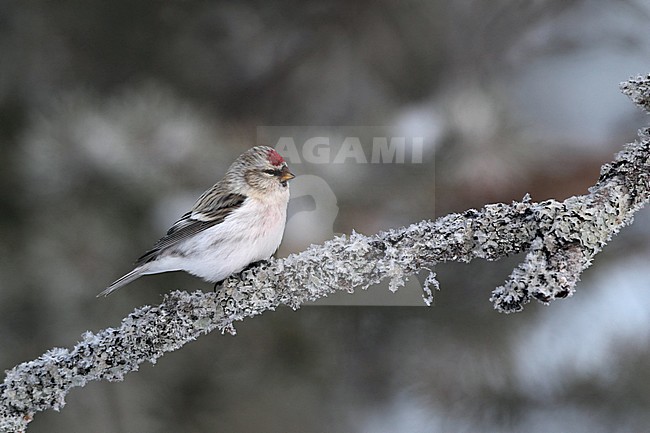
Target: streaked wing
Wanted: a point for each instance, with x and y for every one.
(194, 222)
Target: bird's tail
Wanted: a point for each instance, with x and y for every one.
(123, 281)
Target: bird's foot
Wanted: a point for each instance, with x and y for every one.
(250, 266)
(240, 274)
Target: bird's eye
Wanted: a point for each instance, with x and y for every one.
(272, 172)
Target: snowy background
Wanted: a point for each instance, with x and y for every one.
(115, 116)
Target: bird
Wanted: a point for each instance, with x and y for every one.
(237, 222)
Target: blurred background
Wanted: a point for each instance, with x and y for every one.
(115, 116)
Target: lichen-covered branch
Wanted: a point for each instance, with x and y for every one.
(560, 238)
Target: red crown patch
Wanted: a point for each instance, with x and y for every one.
(275, 158)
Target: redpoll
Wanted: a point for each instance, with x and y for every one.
(239, 221)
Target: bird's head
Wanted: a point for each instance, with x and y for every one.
(262, 170)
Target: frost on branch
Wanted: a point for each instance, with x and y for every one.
(560, 238)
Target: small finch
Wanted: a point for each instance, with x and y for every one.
(239, 221)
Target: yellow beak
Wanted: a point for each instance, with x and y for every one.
(286, 175)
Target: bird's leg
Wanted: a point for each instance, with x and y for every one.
(250, 266)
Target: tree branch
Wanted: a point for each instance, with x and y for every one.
(561, 239)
